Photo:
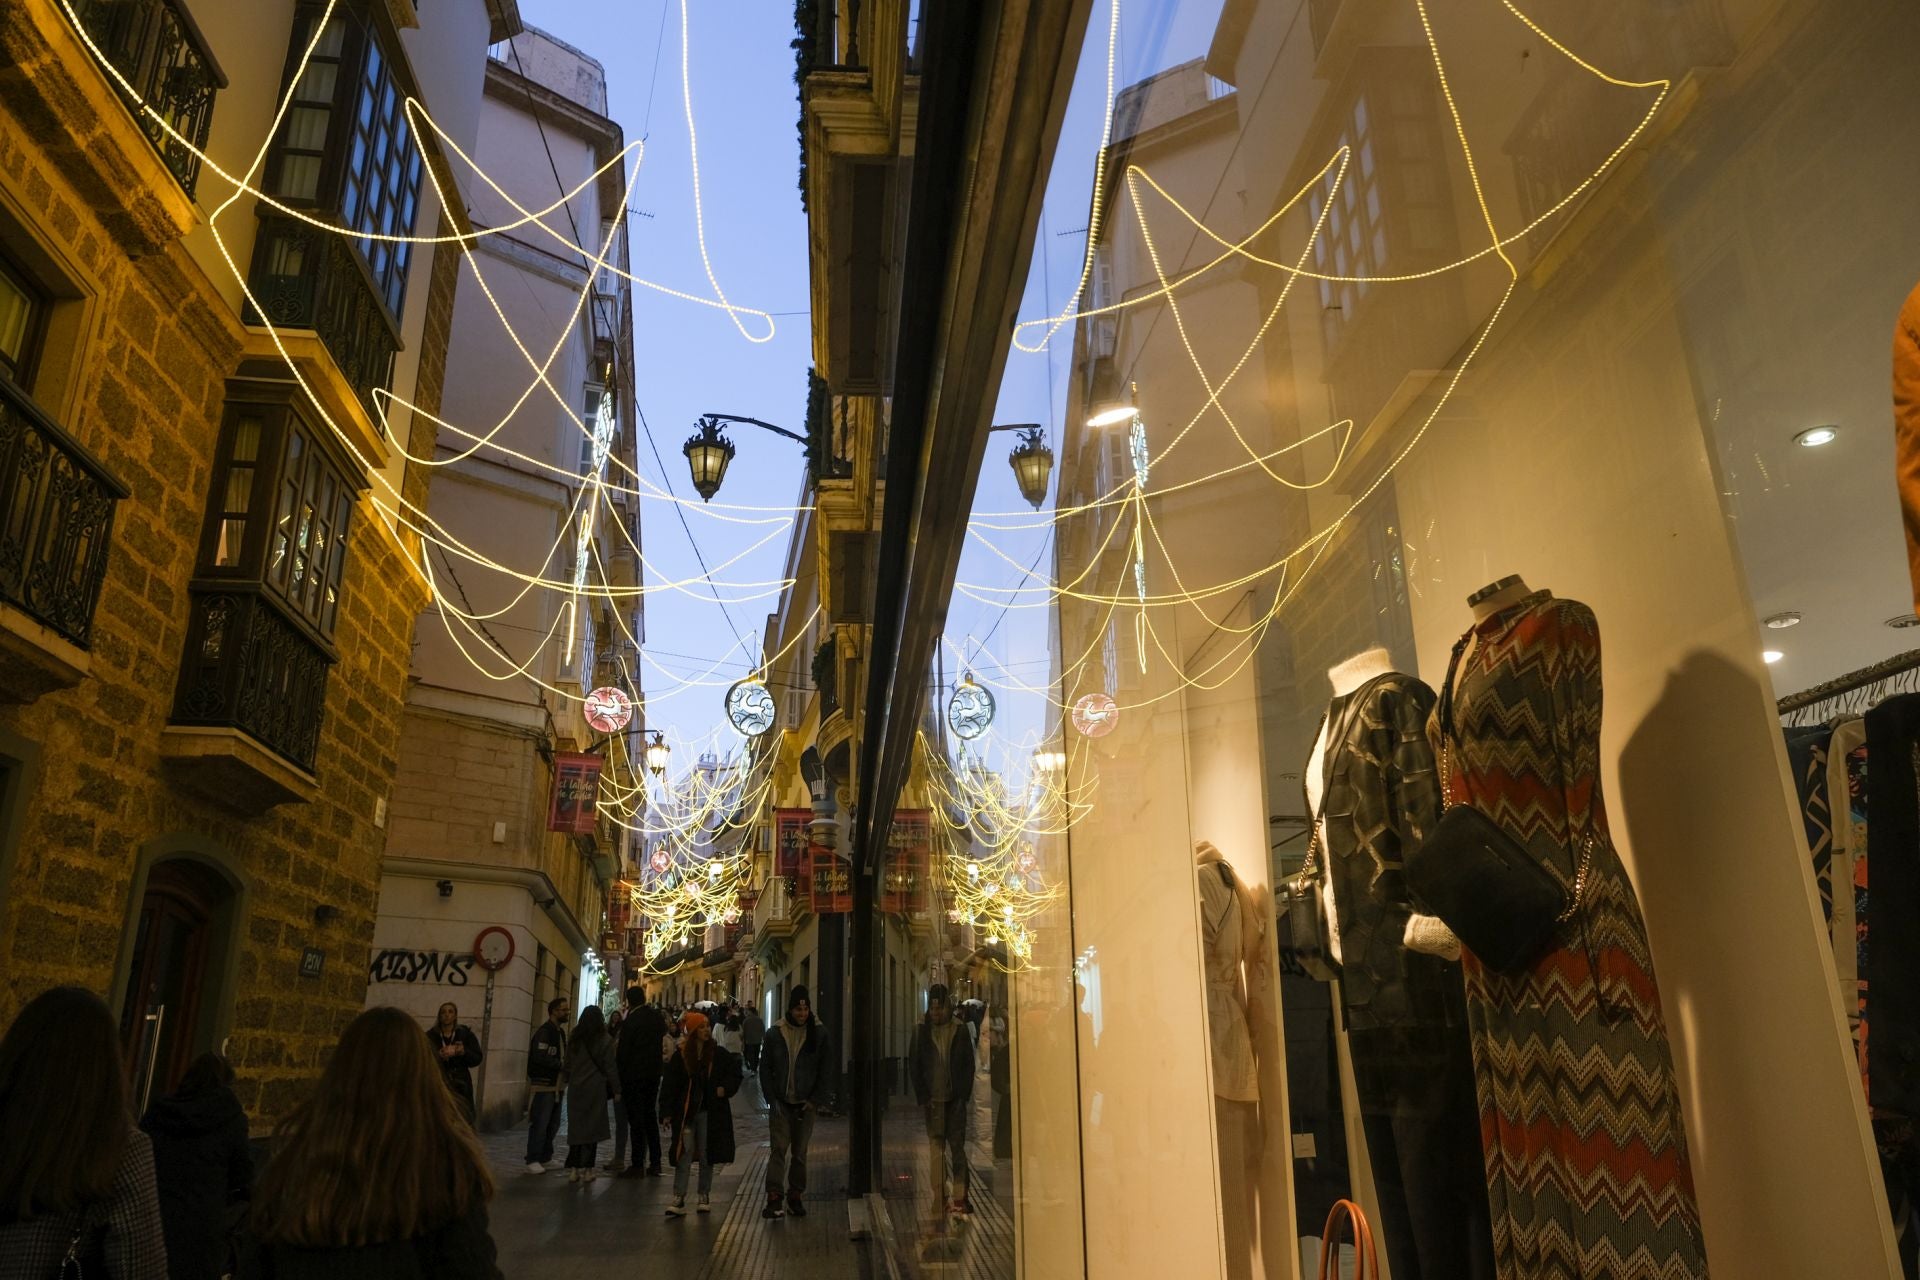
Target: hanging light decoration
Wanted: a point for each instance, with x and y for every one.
(658, 753)
(1032, 463)
(970, 710)
(1096, 715)
(708, 453)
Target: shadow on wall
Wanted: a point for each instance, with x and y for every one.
(1737, 953)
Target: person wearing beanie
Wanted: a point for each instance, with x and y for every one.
(941, 1065)
(694, 1099)
(796, 1078)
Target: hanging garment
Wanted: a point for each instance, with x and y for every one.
(1892, 961)
(1807, 759)
(1586, 1151)
(1236, 1076)
(1906, 429)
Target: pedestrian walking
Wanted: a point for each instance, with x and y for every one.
(591, 1084)
(457, 1050)
(618, 1165)
(941, 1065)
(695, 1097)
(76, 1176)
(640, 1058)
(547, 1083)
(796, 1078)
(204, 1169)
(377, 1175)
(727, 1035)
(753, 1029)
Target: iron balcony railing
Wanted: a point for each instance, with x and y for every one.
(155, 45)
(56, 520)
(306, 277)
(250, 667)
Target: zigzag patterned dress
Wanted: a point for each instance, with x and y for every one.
(1586, 1153)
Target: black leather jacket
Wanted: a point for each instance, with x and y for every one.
(1381, 791)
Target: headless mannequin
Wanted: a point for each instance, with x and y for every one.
(1496, 596)
(1424, 933)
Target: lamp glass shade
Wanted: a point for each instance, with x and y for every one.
(1032, 463)
(1111, 413)
(658, 753)
(708, 453)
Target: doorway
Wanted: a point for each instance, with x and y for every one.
(166, 1019)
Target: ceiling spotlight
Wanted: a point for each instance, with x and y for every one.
(1771, 656)
(1781, 621)
(1904, 621)
(1814, 437)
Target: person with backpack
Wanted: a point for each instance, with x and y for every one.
(204, 1167)
(547, 1083)
(76, 1176)
(640, 1058)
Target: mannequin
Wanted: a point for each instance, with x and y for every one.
(1232, 936)
(1372, 780)
(1586, 1152)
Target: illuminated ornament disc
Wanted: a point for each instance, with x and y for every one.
(608, 709)
(660, 860)
(971, 709)
(1095, 715)
(750, 708)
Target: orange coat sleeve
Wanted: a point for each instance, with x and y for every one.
(1906, 429)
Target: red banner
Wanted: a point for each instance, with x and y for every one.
(575, 804)
(790, 841)
(909, 863)
(620, 905)
(830, 881)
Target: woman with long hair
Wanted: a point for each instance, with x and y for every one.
(457, 1050)
(701, 1077)
(76, 1178)
(591, 1083)
(204, 1165)
(377, 1174)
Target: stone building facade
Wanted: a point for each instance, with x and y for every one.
(203, 715)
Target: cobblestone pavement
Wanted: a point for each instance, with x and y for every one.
(550, 1229)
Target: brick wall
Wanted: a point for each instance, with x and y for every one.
(150, 386)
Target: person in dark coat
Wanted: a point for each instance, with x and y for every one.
(457, 1050)
(695, 1095)
(797, 1068)
(591, 1084)
(640, 1058)
(377, 1175)
(204, 1168)
(941, 1064)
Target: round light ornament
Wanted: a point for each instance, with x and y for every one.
(1095, 715)
(970, 710)
(750, 708)
(661, 860)
(608, 709)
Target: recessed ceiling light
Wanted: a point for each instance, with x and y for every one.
(1904, 621)
(1814, 437)
(1781, 621)
(1771, 656)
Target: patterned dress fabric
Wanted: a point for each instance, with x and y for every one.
(1586, 1152)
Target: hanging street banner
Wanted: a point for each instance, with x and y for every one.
(790, 841)
(830, 879)
(909, 863)
(575, 804)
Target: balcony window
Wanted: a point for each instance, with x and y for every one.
(346, 146)
(23, 311)
(166, 64)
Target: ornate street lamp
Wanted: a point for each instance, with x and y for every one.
(708, 452)
(658, 753)
(1032, 463)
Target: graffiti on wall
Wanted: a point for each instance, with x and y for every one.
(449, 967)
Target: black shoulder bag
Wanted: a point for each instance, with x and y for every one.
(1490, 891)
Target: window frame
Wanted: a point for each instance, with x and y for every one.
(39, 308)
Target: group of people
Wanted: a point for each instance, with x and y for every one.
(655, 1071)
(377, 1173)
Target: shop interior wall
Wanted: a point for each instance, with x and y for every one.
(1576, 454)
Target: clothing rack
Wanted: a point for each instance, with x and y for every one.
(1857, 690)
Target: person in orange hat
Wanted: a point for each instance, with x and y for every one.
(701, 1078)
